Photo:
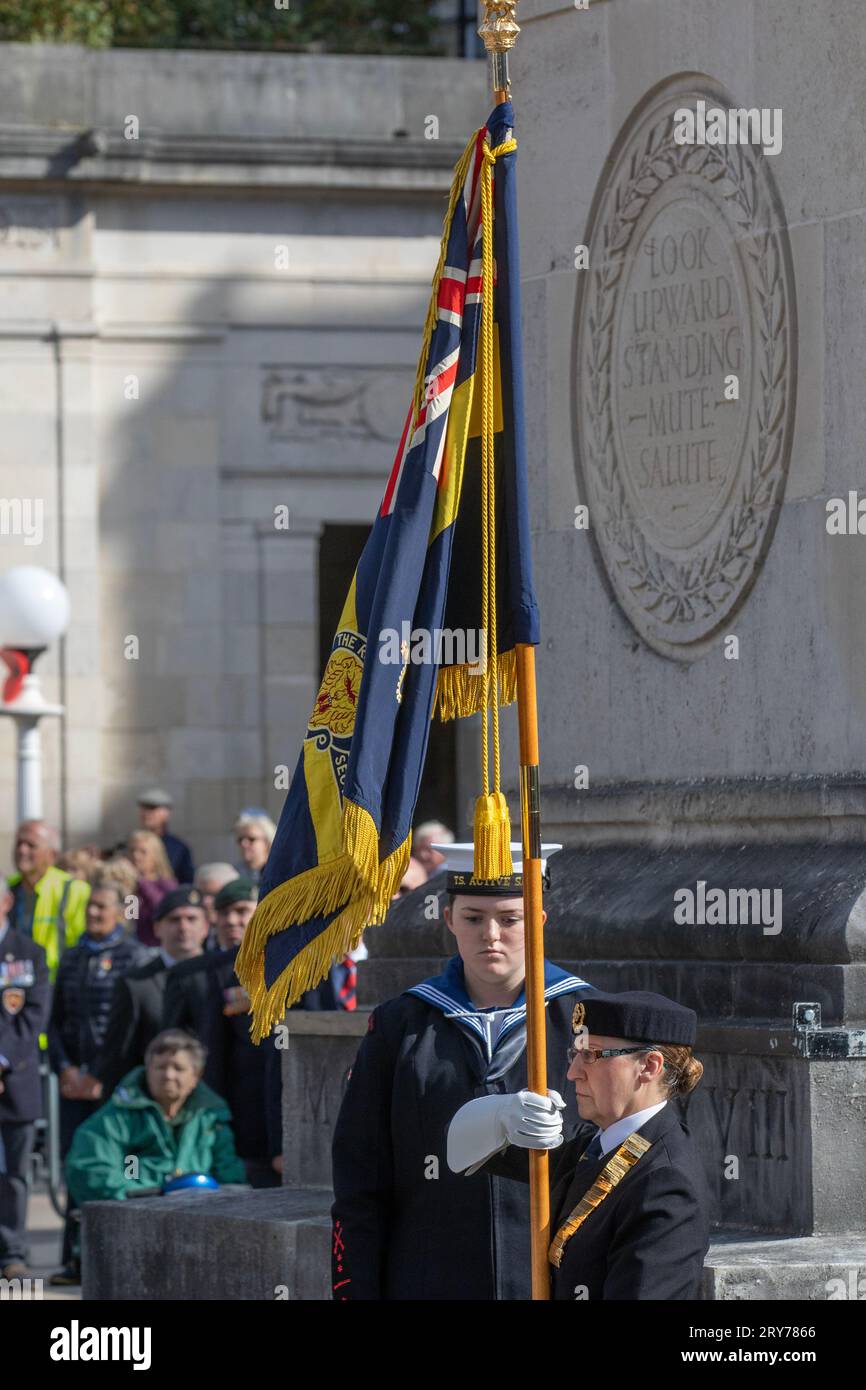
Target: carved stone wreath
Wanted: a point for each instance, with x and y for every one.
(679, 601)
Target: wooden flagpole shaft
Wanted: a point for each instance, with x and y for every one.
(499, 30)
(536, 1039)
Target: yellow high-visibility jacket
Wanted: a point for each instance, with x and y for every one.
(59, 916)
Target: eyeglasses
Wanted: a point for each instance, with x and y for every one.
(592, 1054)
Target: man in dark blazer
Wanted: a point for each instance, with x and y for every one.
(135, 1016)
(247, 1076)
(629, 1204)
(24, 1003)
(190, 984)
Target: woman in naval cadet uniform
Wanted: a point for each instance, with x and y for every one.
(405, 1226)
(629, 1207)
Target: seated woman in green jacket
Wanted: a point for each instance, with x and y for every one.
(160, 1121)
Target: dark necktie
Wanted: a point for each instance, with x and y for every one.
(593, 1149)
(347, 993)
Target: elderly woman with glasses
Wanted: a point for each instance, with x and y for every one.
(254, 834)
(629, 1204)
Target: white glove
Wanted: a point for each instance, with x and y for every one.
(486, 1126)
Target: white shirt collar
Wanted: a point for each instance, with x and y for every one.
(167, 960)
(615, 1134)
(4, 927)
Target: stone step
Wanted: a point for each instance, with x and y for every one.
(812, 1268)
(270, 1243)
(275, 1244)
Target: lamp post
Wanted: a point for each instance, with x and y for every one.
(34, 611)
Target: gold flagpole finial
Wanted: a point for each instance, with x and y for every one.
(498, 32)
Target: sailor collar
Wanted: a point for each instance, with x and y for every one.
(447, 993)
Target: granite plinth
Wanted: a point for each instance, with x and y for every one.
(242, 1244)
(815, 1269)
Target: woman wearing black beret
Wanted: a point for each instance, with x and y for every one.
(629, 1205)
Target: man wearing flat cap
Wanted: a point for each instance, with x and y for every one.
(405, 1227)
(135, 1015)
(154, 813)
(629, 1205)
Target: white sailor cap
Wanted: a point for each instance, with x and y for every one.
(459, 862)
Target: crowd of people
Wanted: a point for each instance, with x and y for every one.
(117, 969)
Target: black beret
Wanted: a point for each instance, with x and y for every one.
(238, 890)
(185, 896)
(637, 1015)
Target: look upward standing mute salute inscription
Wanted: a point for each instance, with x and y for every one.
(685, 371)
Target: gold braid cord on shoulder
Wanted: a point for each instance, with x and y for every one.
(612, 1173)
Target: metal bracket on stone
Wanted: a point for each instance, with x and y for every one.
(813, 1041)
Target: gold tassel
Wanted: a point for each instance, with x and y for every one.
(492, 837)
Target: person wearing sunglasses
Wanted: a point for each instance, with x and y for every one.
(629, 1202)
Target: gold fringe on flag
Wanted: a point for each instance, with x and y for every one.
(326, 887)
(460, 692)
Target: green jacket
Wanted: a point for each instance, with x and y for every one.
(128, 1144)
(59, 916)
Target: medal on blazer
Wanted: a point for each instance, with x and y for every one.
(17, 972)
(236, 1001)
(612, 1173)
(105, 964)
(13, 1000)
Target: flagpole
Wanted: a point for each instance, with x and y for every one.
(536, 1037)
(499, 31)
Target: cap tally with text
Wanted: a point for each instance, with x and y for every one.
(637, 1015)
(185, 896)
(459, 860)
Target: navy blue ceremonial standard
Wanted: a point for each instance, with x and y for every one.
(344, 836)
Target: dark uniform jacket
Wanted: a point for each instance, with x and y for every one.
(134, 1019)
(179, 857)
(186, 993)
(649, 1237)
(83, 990)
(247, 1076)
(24, 1001)
(405, 1226)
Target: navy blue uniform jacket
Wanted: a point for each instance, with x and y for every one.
(649, 1237)
(247, 1076)
(405, 1226)
(25, 997)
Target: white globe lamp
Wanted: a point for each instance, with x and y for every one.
(34, 612)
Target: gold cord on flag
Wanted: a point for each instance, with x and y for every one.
(492, 829)
(612, 1173)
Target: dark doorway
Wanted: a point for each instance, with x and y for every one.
(339, 551)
